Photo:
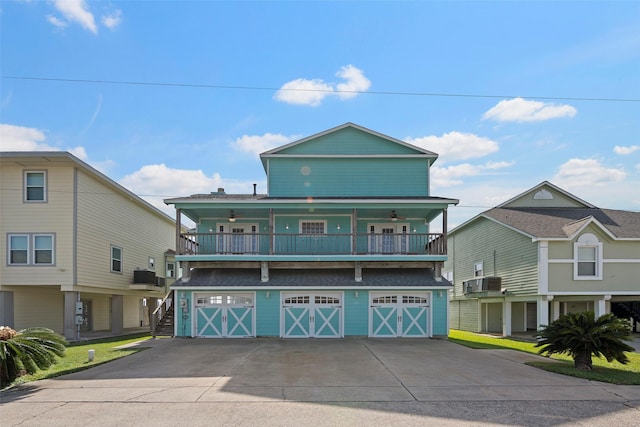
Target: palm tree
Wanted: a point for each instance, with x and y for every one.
(29, 350)
(582, 336)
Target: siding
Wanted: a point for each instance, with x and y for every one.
(336, 177)
(54, 216)
(356, 313)
(503, 252)
(439, 307)
(107, 218)
(268, 313)
(348, 141)
(131, 312)
(100, 311)
(37, 307)
(464, 315)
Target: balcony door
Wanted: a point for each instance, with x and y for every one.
(388, 238)
(237, 239)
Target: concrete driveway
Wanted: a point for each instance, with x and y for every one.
(327, 382)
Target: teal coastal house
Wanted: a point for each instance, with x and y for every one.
(340, 245)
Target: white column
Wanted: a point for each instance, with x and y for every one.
(600, 305)
(556, 309)
(543, 310)
(506, 318)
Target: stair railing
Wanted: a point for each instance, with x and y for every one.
(160, 311)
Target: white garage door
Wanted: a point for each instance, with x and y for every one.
(399, 314)
(228, 315)
(311, 315)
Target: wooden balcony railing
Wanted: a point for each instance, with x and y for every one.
(312, 244)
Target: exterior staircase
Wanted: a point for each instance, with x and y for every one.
(163, 317)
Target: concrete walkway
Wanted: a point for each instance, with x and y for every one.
(324, 382)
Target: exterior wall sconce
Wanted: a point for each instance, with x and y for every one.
(338, 227)
(210, 229)
(414, 230)
(286, 227)
(355, 294)
(394, 216)
(232, 217)
(440, 294)
(267, 295)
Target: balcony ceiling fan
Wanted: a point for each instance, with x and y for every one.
(393, 216)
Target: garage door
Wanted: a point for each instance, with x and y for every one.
(311, 315)
(403, 314)
(219, 315)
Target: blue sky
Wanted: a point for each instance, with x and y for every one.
(174, 98)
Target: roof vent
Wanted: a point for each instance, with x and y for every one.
(220, 190)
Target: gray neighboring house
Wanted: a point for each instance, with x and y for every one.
(541, 254)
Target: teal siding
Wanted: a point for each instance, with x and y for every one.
(183, 319)
(268, 314)
(356, 313)
(348, 177)
(349, 141)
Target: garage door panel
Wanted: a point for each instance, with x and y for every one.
(220, 315)
(384, 322)
(327, 322)
(240, 321)
(399, 314)
(296, 322)
(209, 321)
(313, 314)
(414, 322)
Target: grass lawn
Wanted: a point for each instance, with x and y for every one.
(77, 359)
(615, 373)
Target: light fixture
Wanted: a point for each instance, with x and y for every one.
(232, 216)
(394, 217)
(355, 294)
(210, 229)
(338, 227)
(414, 229)
(286, 226)
(267, 294)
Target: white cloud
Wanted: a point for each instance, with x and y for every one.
(154, 183)
(456, 145)
(56, 22)
(623, 151)
(453, 175)
(577, 173)
(20, 138)
(522, 110)
(77, 11)
(112, 20)
(313, 92)
(257, 144)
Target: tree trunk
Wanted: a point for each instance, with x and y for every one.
(583, 362)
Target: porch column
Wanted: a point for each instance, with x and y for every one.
(354, 230)
(444, 231)
(179, 250)
(600, 305)
(543, 310)
(437, 271)
(270, 231)
(506, 318)
(556, 310)
(264, 271)
(71, 331)
(117, 313)
(358, 272)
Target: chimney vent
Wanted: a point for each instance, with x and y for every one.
(220, 190)
(254, 189)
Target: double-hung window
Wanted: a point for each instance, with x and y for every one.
(587, 258)
(31, 249)
(116, 259)
(35, 186)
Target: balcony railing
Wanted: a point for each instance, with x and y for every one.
(312, 244)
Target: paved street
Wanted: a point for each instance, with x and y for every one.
(324, 382)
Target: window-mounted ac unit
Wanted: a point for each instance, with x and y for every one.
(482, 284)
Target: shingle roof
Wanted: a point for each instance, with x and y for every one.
(563, 222)
(321, 278)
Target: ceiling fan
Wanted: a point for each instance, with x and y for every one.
(394, 216)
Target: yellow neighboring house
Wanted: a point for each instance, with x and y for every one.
(79, 252)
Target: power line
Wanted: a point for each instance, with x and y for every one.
(256, 88)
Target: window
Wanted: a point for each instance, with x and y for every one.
(31, 249)
(312, 227)
(116, 259)
(171, 270)
(35, 188)
(587, 253)
(478, 269)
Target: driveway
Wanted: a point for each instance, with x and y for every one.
(327, 382)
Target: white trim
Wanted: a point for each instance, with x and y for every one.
(45, 177)
(304, 201)
(546, 184)
(356, 287)
(604, 261)
(587, 293)
(309, 221)
(588, 240)
(348, 156)
(543, 267)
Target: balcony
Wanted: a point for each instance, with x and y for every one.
(269, 245)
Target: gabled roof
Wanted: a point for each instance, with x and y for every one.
(379, 144)
(549, 212)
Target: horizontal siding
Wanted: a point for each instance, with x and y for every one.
(356, 313)
(468, 313)
(616, 277)
(54, 216)
(38, 307)
(348, 177)
(439, 307)
(131, 312)
(268, 314)
(348, 141)
(100, 312)
(503, 252)
(107, 218)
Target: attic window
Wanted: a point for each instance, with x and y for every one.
(543, 195)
